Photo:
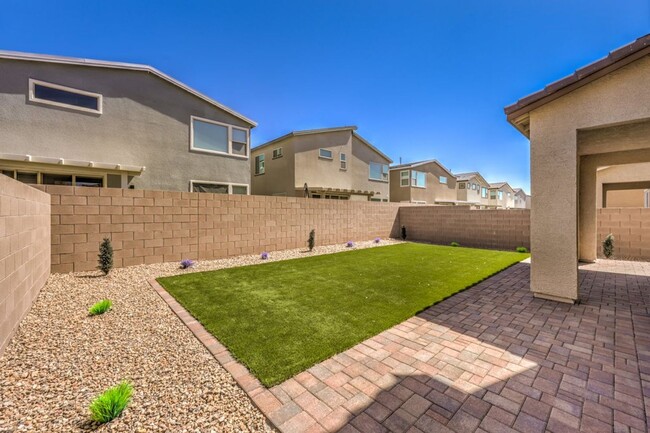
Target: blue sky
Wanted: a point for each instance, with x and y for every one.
(421, 79)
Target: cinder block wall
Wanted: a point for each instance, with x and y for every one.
(162, 226)
(24, 251)
(497, 229)
(631, 230)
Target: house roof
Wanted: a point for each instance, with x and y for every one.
(16, 55)
(420, 163)
(517, 113)
(518, 190)
(351, 128)
(468, 176)
(498, 185)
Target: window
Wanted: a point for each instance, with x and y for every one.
(214, 137)
(443, 179)
(461, 185)
(259, 164)
(474, 186)
(66, 97)
(218, 188)
(500, 195)
(93, 182)
(344, 162)
(378, 171)
(508, 195)
(57, 179)
(493, 194)
(325, 153)
(484, 192)
(277, 153)
(404, 178)
(418, 179)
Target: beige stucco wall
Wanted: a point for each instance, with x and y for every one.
(145, 122)
(507, 200)
(473, 195)
(634, 198)
(434, 190)
(24, 251)
(622, 174)
(301, 164)
(619, 97)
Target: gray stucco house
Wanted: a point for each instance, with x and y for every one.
(72, 121)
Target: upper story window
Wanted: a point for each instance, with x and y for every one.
(418, 179)
(509, 195)
(325, 153)
(404, 178)
(216, 137)
(344, 162)
(500, 195)
(66, 97)
(277, 153)
(474, 186)
(378, 171)
(443, 179)
(461, 185)
(259, 164)
(484, 192)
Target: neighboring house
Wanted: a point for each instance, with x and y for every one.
(521, 200)
(424, 182)
(332, 163)
(502, 196)
(472, 188)
(71, 121)
(623, 185)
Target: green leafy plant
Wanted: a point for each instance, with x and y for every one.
(311, 242)
(608, 246)
(403, 233)
(454, 244)
(105, 256)
(521, 249)
(100, 307)
(110, 404)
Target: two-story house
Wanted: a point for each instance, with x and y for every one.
(522, 200)
(425, 182)
(73, 121)
(330, 163)
(501, 195)
(473, 189)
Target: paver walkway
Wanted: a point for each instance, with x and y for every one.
(490, 359)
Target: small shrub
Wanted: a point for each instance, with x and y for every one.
(100, 307)
(377, 240)
(110, 404)
(349, 244)
(311, 242)
(608, 246)
(264, 255)
(105, 256)
(403, 233)
(521, 249)
(187, 263)
(454, 244)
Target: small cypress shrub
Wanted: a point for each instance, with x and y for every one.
(521, 249)
(454, 244)
(105, 256)
(608, 246)
(311, 242)
(100, 307)
(403, 233)
(110, 404)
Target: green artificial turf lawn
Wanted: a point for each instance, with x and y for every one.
(280, 318)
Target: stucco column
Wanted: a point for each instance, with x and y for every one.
(587, 228)
(554, 213)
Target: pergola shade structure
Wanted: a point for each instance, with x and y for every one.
(597, 117)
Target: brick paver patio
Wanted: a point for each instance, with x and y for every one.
(490, 359)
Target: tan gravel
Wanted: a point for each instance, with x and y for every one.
(60, 358)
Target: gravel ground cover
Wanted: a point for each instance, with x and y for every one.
(61, 358)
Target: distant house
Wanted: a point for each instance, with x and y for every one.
(501, 195)
(522, 200)
(331, 163)
(472, 188)
(71, 121)
(425, 182)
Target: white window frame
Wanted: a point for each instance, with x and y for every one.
(217, 152)
(500, 195)
(277, 153)
(32, 96)
(487, 192)
(320, 155)
(263, 170)
(214, 182)
(440, 179)
(402, 179)
(344, 161)
(425, 179)
(382, 172)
